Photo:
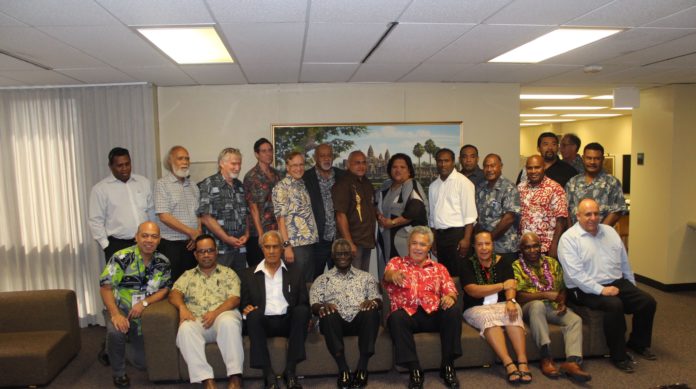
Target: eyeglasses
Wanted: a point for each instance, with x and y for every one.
(530, 246)
(206, 251)
(343, 253)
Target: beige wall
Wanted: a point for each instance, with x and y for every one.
(614, 134)
(208, 118)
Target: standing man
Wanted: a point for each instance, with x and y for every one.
(118, 204)
(275, 303)
(258, 184)
(293, 210)
(133, 278)
(452, 211)
(223, 210)
(468, 158)
(176, 204)
(498, 207)
(356, 215)
(547, 145)
(570, 145)
(207, 298)
(542, 293)
(319, 181)
(596, 184)
(598, 275)
(543, 205)
(347, 301)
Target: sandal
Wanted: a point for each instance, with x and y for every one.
(525, 376)
(513, 376)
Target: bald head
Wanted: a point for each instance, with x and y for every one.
(535, 169)
(147, 238)
(530, 246)
(357, 163)
(588, 216)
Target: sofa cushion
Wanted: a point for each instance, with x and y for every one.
(33, 358)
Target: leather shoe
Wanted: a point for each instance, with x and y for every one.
(122, 381)
(271, 383)
(625, 366)
(416, 379)
(548, 368)
(344, 380)
(644, 352)
(291, 381)
(449, 375)
(359, 379)
(574, 371)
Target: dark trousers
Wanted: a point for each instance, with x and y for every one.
(292, 325)
(446, 242)
(254, 254)
(116, 244)
(321, 257)
(365, 325)
(629, 300)
(447, 322)
(180, 258)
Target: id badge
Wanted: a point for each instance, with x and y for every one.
(136, 298)
(490, 299)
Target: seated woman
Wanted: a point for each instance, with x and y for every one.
(489, 305)
(423, 299)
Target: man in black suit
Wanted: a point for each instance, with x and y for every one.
(276, 303)
(319, 180)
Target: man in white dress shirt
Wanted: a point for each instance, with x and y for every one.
(452, 211)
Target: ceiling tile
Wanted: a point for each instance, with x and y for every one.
(341, 43)
(272, 73)
(6, 20)
(57, 12)
(265, 42)
(35, 45)
(451, 11)
(630, 13)
(578, 76)
(10, 63)
(414, 43)
(39, 77)
(507, 72)
(258, 11)
(671, 49)
(648, 74)
(381, 72)
(105, 75)
(555, 12)
(365, 11)
(160, 75)
(4, 81)
(215, 74)
(327, 72)
(156, 12)
(682, 19)
(117, 46)
(433, 72)
(485, 42)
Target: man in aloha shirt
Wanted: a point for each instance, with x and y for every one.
(133, 278)
(544, 209)
(498, 206)
(596, 184)
(542, 293)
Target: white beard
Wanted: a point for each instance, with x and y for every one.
(181, 173)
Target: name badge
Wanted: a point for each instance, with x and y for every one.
(215, 189)
(221, 222)
(136, 298)
(490, 299)
(242, 249)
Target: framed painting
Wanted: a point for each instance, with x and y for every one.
(379, 141)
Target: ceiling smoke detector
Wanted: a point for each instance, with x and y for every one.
(591, 69)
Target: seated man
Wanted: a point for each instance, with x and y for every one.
(423, 299)
(347, 301)
(275, 301)
(133, 278)
(598, 275)
(207, 298)
(542, 293)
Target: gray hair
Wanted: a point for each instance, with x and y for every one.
(227, 151)
(423, 230)
(168, 158)
(269, 233)
(337, 243)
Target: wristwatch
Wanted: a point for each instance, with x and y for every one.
(286, 243)
(145, 303)
(513, 300)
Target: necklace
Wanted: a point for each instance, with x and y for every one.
(480, 271)
(535, 280)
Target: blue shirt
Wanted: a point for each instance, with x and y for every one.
(589, 262)
(605, 189)
(492, 204)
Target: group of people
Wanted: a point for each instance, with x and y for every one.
(233, 257)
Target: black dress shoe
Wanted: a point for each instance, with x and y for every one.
(625, 366)
(291, 381)
(271, 383)
(344, 380)
(644, 352)
(416, 379)
(449, 375)
(102, 356)
(122, 381)
(359, 379)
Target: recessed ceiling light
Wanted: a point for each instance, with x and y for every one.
(570, 108)
(530, 124)
(591, 115)
(603, 97)
(536, 115)
(622, 109)
(554, 43)
(550, 120)
(551, 97)
(189, 45)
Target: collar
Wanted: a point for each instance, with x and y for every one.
(351, 272)
(215, 270)
(451, 175)
(261, 266)
(583, 232)
(428, 262)
(169, 176)
(113, 178)
(332, 173)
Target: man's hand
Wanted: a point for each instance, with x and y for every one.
(610, 291)
(368, 305)
(561, 309)
(232, 241)
(327, 309)
(121, 323)
(463, 247)
(551, 295)
(447, 301)
(398, 278)
(185, 314)
(191, 245)
(208, 319)
(353, 248)
(289, 254)
(136, 311)
(511, 310)
(248, 309)
(244, 239)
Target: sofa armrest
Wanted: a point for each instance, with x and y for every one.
(160, 324)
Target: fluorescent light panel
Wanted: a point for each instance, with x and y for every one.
(551, 97)
(554, 43)
(603, 97)
(591, 115)
(536, 115)
(550, 120)
(530, 124)
(570, 108)
(189, 45)
(622, 109)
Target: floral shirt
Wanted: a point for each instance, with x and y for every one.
(291, 201)
(577, 163)
(203, 293)
(605, 189)
(425, 285)
(540, 206)
(225, 203)
(130, 278)
(524, 282)
(325, 185)
(347, 291)
(258, 189)
(492, 204)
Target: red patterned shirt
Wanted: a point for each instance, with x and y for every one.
(425, 285)
(540, 206)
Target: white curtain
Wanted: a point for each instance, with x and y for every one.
(54, 144)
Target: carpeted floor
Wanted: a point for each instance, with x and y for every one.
(674, 341)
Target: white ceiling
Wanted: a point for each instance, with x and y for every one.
(290, 41)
